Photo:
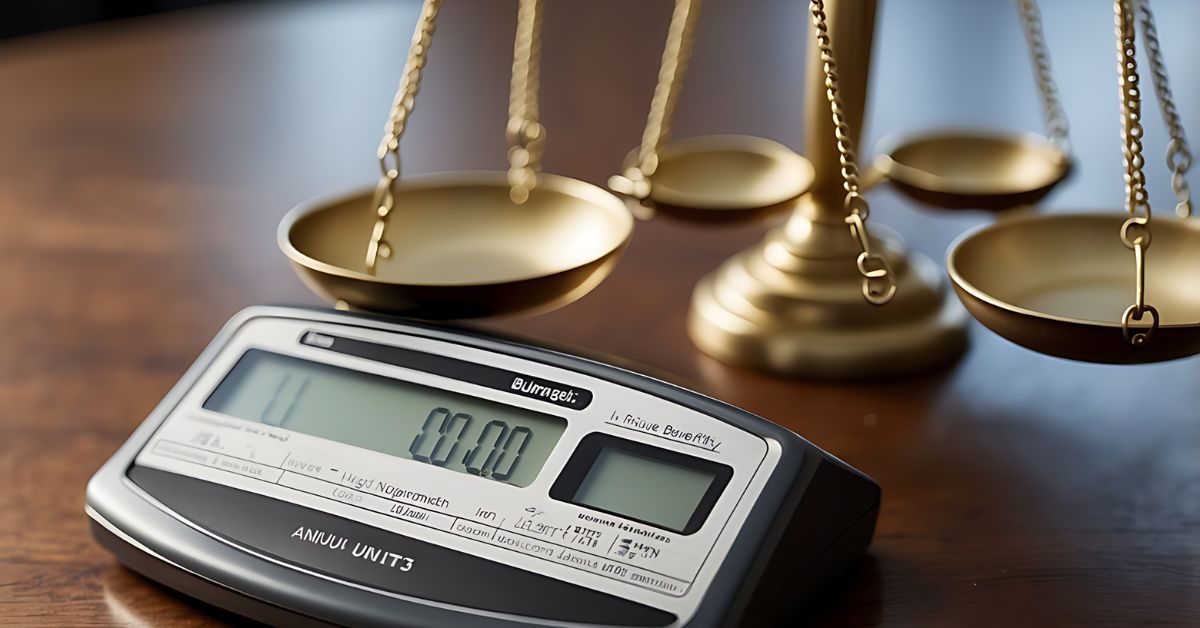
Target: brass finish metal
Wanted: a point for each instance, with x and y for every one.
(467, 244)
(969, 169)
(974, 169)
(1135, 231)
(793, 304)
(389, 148)
(878, 279)
(462, 247)
(721, 178)
(526, 136)
(1179, 156)
(1059, 283)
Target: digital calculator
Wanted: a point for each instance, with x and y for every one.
(326, 468)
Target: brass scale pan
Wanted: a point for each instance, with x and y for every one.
(463, 244)
(974, 169)
(1059, 283)
(1062, 284)
(988, 170)
(462, 248)
(714, 178)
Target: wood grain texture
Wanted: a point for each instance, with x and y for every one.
(144, 166)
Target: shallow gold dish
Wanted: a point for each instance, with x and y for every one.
(1059, 284)
(724, 178)
(461, 247)
(974, 169)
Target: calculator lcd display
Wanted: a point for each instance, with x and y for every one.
(437, 427)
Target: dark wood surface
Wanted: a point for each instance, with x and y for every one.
(144, 166)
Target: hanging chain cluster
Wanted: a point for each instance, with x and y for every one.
(878, 279)
(1135, 231)
(635, 180)
(1179, 156)
(389, 148)
(526, 136)
(1052, 108)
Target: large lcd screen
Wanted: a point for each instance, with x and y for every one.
(438, 427)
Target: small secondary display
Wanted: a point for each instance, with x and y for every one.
(652, 485)
(644, 488)
(403, 419)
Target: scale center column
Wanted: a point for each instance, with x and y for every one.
(793, 303)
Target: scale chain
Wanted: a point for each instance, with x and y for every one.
(389, 147)
(634, 181)
(525, 134)
(1055, 115)
(878, 279)
(1135, 231)
(1179, 156)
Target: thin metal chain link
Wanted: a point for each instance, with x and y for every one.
(635, 180)
(1135, 231)
(676, 54)
(526, 136)
(1179, 156)
(1055, 115)
(389, 147)
(878, 279)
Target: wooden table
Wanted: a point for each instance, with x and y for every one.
(144, 166)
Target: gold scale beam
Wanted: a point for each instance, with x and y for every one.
(793, 303)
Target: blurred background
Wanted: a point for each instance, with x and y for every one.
(26, 18)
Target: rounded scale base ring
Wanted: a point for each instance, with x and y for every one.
(775, 311)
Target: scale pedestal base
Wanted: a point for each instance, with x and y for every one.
(793, 305)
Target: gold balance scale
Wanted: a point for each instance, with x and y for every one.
(820, 296)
